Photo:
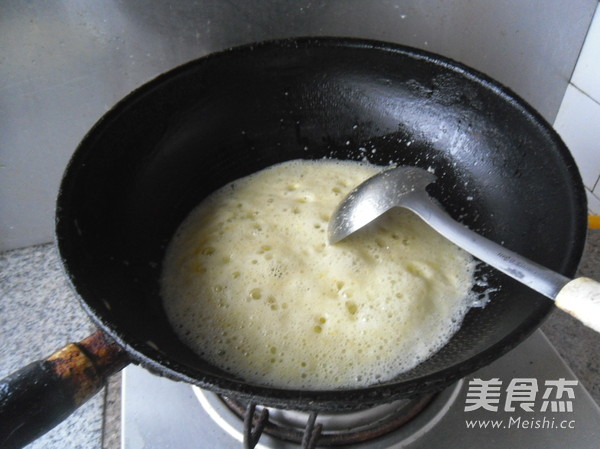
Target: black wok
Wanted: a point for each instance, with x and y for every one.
(502, 170)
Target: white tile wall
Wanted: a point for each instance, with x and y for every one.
(578, 119)
(594, 201)
(578, 123)
(586, 75)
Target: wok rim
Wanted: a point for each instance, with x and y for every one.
(141, 353)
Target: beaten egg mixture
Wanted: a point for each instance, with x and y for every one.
(251, 283)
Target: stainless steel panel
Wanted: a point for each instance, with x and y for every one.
(158, 413)
(64, 63)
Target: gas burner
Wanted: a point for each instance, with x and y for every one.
(361, 428)
(326, 428)
(159, 413)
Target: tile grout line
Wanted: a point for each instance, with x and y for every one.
(597, 102)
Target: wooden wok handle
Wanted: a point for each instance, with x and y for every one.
(40, 395)
(581, 298)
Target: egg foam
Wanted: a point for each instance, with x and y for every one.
(251, 284)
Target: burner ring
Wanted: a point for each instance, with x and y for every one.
(411, 431)
(338, 429)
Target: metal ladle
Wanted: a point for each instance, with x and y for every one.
(405, 187)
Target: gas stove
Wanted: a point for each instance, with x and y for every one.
(529, 398)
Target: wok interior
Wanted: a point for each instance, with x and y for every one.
(152, 158)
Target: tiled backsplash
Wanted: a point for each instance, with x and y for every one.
(578, 120)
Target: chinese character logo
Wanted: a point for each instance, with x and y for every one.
(520, 394)
(483, 394)
(560, 388)
(522, 391)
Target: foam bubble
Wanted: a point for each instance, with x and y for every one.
(250, 282)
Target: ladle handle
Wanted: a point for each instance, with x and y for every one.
(40, 395)
(581, 299)
(529, 273)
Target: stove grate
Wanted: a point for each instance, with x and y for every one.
(304, 429)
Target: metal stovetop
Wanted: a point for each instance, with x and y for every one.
(529, 398)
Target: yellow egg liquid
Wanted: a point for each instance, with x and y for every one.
(252, 285)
